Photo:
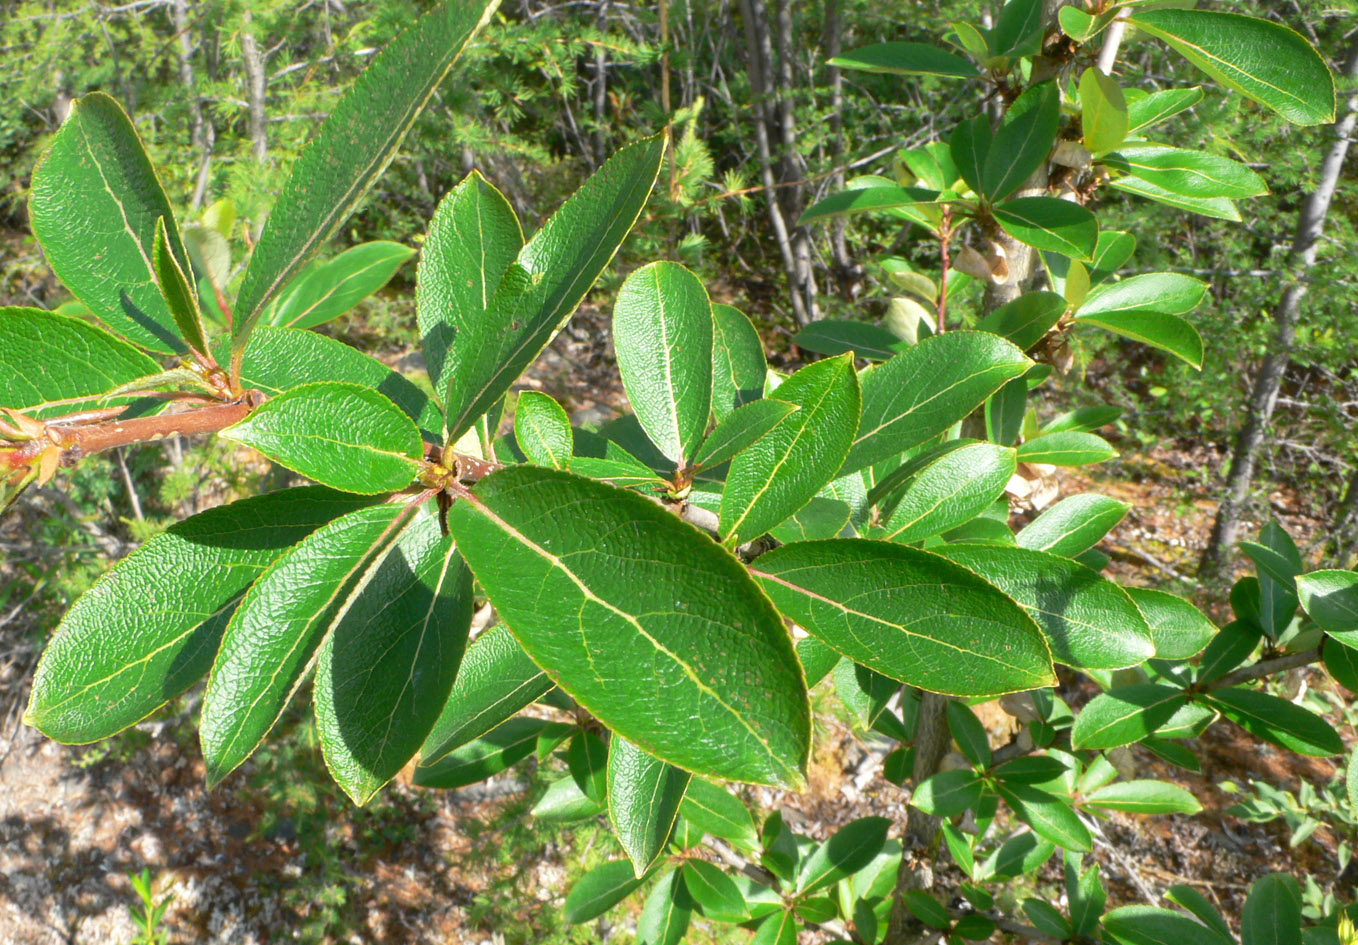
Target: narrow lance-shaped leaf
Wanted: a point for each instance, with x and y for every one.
(542, 288)
(353, 147)
(951, 490)
(644, 795)
(740, 430)
(176, 290)
(94, 206)
(1278, 721)
(150, 626)
(642, 619)
(599, 890)
(497, 750)
(337, 285)
(905, 59)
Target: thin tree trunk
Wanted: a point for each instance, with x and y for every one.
(1269, 378)
(254, 79)
(848, 275)
(1344, 530)
(601, 91)
(793, 194)
(198, 133)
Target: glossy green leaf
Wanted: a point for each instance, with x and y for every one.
(497, 750)
(1018, 29)
(352, 148)
(1026, 319)
(1082, 419)
(905, 59)
(1005, 412)
(780, 928)
(1190, 173)
(546, 283)
(1198, 904)
(564, 802)
(276, 629)
(150, 626)
(94, 205)
(178, 293)
(1103, 111)
(642, 619)
(1157, 329)
(1147, 925)
(1050, 223)
(599, 890)
(847, 851)
(543, 430)
(969, 734)
(969, 147)
(1180, 630)
(831, 336)
(644, 795)
(79, 362)
(740, 430)
(715, 893)
(1088, 620)
(1261, 59)
(1342, 663)
(1273, 912)
(1144, 797)
(1073, 525)
(713, 810)
(388, 663)
(1219, 208)
(1278, 721)
(1051, 817)
(869, 199)
(738, 364)
(780, 474)
(665, 917)
(1169, 292)
(953, 489)
(1047, 918)
(948, 793)
(342, 435)
(1229, 648)
(926, 389)
(337, 285)
(1331, 600)
(662, 329)
(1146, 110)
(907, 614)
(587, 759)
(822, 517)
(496, 680)
(1023, 141)
(1066, 449)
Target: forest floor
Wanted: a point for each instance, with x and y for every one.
(268, 857)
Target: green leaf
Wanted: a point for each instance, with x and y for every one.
(352, 148)
(599, 890)
(907, 614)
(94, 205)
(497, 750)
(545, 284)
(1047, 918)
(1030, 769)
(1130, 713)
(543, 430)
(872, 198)
(738, 365)
(1082, 419)
(969, 733)
(1272, 914)
(1144, 797)
(1023, 141)
(847, 851)
(715, 893)
(1179, 629)
(1026, 319)
(341, 435)
(1146, 110)
(644, 795)
(778, 929)
(951, 490)
(1330, 598)
(1260, 59)
(713, 810)
(648, 620)
(1103, 111)
(1066, 449)
(1050, 223)
(822, 517)
(740, 430)
(388, 663)
(1229, 648)
(150, 625)
(665, 917)
(662, 329)
(1342, 663)
(1018, 29)
(564, 802)
(1157, 329)
(925, 389)
(1278, 721)
(1220, 208)
(1089, 621)
(905, 59)
(496, 680)
(587, 758)
(78, 362)
(831, 336)
(1169, 292)
(970, 147)
(180, 297)
(1198, 904)
(337, 285)
(1073, 525)
(1147, 925)
(948, 793)
(1051, 817)
(792, 462)
(269, 643)
(1190, 173)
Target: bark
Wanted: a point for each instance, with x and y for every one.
(1268, 379)
(601, 92)
(253, 62)
(847, 273)
(1344, 531)
(200, 133)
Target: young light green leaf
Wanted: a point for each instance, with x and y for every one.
(738, 364)
(1261, 59)
(337, 285)
(1050, 223)
(1073, 525)
(740, 430)
(270, 640)
(1330, 598)
(713, 810)
(1103, 111)
(648, 621)
(341, 435)
(644, 795)
(1278, 721)
(388, 663)
(951, 490)
(1144, 797)
(543, 430)
(94, 204)
(352, 148)
(926, 389)
(1088, 620)
(662, 329)
(599, 890)
(831, 336)
(498, 750)
(1023, 141)
(1157, 329)
(1051, 817)
(784, 470)
(905, 59)
(545, 284)
(179, 295)
(1273, 912)
(907, 614)
(1180, 630)
(150, 626)
(1190, 173)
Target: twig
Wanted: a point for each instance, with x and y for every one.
(1264, 668)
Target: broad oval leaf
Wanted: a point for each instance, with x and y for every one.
(948, 793)
(905, 59)
(352, 148)
(1143, 797)
(1131, 713)
(1026, 319)
(599, 890)
(953, 489)
(715, 893)
(783, 470)
(1023, 141)
(1051, 817)
(1264, 60)
(662, 329)
(738, 364)
(543, 430)
(1273, 912)
(1157, 329)
(926, 389)
(1050, 223)
(1190, 173)
(1170, 292)
(1278, 721)
(1073, 525)
(337, 285)
(713, 810)
(341, 435)
(1330, 598)
(1179, 629)
(642, 619)
(1147, 925)
(1089, 621)
(388, 662)
(741, 429)
(847, 851)
(644, 795)
(150, 626)
(908, 614)
(94, 205)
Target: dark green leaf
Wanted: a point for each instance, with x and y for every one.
(599, 890)
(1018, 29)
(738, 365)
(1179, 629)
(966, 729)
(1342, 663)
(905, 59)
(953, 489)
(836, 336)
(970, 147)
(869, 199)
(1026, 319)
(1047, 918)
(1050, 223)
(1230, 647)
(1075, 524)
(1272, 914)
(713, 810)
(1278, 721)
(644, 795)
(847, 851)
(1331, 600)
(1050, 816)
(1023, 141)
(180, 297)
(1082, 419)
(564, 802)
(1130, 713)
(499, 749)
(543, 430)
(1198, 904)
(587, 759)
(1147, 925)
(665, 916)
(778, 929)
(715, 893)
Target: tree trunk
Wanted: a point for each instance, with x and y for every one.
(198, 132)
(1344, 530)
(254, 80)
(847, 273)
(1268, 379)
